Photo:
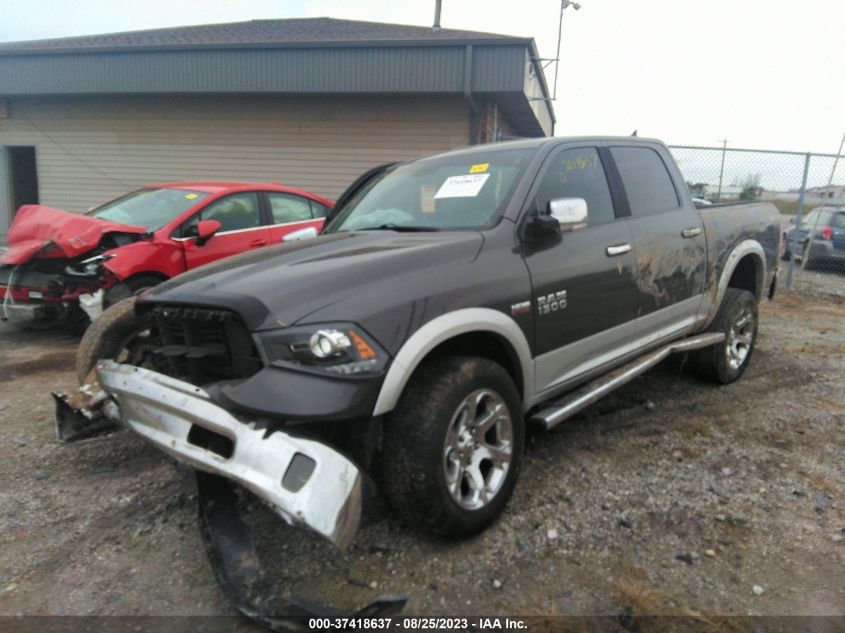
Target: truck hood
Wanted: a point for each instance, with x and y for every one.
(280, 285)
(36, 227)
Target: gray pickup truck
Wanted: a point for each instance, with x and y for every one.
(449, 302)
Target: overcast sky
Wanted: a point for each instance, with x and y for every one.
(761, 73)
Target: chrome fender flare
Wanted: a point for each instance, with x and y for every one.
(443, 328)
(746, 247)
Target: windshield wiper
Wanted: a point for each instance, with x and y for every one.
(401, 228)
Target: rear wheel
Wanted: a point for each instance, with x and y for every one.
(737, 319)
(453, 446)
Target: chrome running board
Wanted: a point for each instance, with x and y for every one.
(558, 411)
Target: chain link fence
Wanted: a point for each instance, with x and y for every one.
(807, 189)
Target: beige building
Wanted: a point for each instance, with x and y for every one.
(310, 103)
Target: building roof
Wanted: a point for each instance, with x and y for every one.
(306, 56)
(260, 33)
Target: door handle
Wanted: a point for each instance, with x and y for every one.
(257, 243)
(618, 249)
(690, 232)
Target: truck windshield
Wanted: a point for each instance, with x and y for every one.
(457, 191)
(150, 208)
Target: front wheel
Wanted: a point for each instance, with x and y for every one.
(117, 334)
(453, 446)
(737, 319)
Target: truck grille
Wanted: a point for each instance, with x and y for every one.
(203, 345)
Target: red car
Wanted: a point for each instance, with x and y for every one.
(58, 262)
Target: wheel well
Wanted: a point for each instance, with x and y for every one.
(747, 275)
(131, 285)
(485, 345)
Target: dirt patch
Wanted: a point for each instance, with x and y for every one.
(670, 497)
(45, 362)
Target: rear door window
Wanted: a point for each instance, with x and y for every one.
(825, 218)
(646, 180)
(286, 208)
(817, 217)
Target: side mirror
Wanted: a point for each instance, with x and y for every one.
(206, 230)
(571, 213)
(562, 215)
(302, 234)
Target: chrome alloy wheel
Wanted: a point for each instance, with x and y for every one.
(739, 339)
(478, 448)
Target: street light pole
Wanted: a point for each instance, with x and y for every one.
(563, 5)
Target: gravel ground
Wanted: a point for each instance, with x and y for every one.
(817, 283)
(671, 496)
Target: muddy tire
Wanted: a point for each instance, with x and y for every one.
(453, 446)
(107, 336)
(737, 318)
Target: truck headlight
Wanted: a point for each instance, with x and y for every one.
(334, 348)
(327, 343)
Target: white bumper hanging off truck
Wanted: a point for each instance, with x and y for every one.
(306, 482)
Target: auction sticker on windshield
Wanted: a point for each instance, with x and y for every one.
(462, 186)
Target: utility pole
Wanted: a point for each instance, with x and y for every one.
(722, 169)
(436, 25)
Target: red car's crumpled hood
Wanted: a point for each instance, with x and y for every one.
(35, 226)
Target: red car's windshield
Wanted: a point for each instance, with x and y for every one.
(150, 208)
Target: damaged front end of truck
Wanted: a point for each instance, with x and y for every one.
(204, 384)
(306, 480)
